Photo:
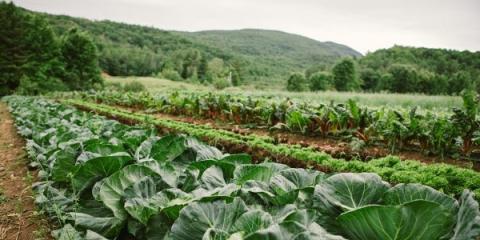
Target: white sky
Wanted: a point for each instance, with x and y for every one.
(365, 25)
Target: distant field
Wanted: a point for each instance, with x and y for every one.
(369, 99)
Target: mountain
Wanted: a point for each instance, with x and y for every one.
(273, 52)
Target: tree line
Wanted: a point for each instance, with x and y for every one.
(397, 69)
(35, 60)
(133, 50)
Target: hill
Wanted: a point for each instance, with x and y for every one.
(251, 54)
(425, 70)
(274, 53)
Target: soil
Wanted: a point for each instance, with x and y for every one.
(19, 219)
(334, 147)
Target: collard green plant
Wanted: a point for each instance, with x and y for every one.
(176, 187)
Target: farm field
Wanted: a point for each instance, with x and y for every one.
(102, 179)
(156, 85)
(239, 120)
(430, 135)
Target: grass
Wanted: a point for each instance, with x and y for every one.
(369, 99)
(3, 198)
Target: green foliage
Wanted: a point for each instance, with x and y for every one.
(423, 70)
(296, 83)
(33, 61)
(345, 76)
(272, 55)
(79, 55)
(134, 86)
(450, 179)
(321, 81)
(171, 74)
(175, 187)
(221, 83)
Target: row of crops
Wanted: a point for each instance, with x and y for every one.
(455, 133)
(100, 179)
(448, 178)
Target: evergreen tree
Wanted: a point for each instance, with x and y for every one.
(81, 63)
(12, 47)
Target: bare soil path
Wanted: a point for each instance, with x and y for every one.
(19, 219)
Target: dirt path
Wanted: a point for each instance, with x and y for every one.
(18, 216)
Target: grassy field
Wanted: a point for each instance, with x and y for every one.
(369, 99)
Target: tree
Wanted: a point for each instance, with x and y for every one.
(404, 78)
(321, 81)
(30, 56)
(344, 76)
(79, 54)
(202, 69)
(216, 69)
(12, 47)
(370, 79)
(296, 83)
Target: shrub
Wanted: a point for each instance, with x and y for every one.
(171, 75)
(296, 83)
(134, 86)
(321, 81)
(221, 83)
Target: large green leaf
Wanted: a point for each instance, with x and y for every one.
(403, 193)
(299, 224)
(251, 222)
(62, 164)
(94, 216)
(98, 168)
(468, 218)
(420, 220)
(67, 233)
(212, 178)
(260, 172)
(208, 220)
(142, 201)
(111, 190)
(349, 191)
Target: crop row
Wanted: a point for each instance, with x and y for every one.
(456, 133)
(447, 178)
(101, 179)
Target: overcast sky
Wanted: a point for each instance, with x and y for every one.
(365, 25)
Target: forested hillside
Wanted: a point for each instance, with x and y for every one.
(397, 69)
(242, 56)
(275, 53)
(427, 70)
(273, 59)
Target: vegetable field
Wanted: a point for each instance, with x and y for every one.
(129, 175)
(454, 133)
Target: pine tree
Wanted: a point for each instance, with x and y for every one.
(12, 48)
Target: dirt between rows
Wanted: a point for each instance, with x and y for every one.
(334, 147)
(19, 219)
